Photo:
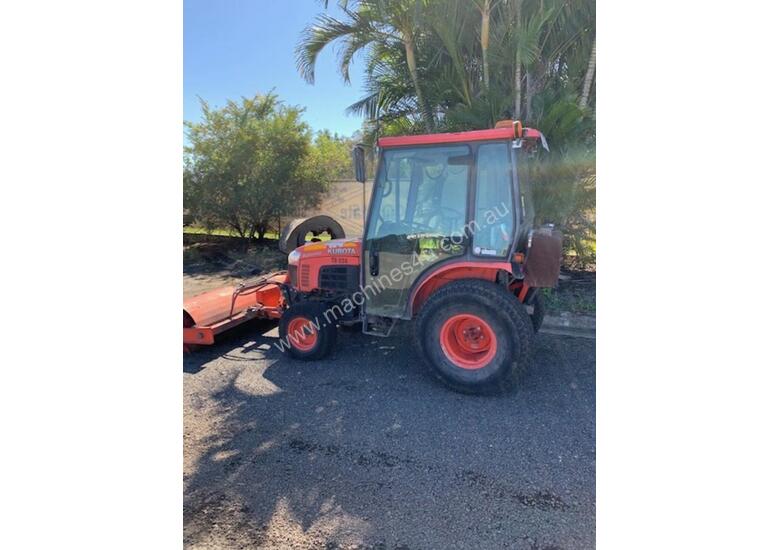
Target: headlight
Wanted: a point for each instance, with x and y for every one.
(293, 257)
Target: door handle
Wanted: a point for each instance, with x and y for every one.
(373, 260)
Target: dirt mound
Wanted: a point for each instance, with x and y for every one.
(231, 256)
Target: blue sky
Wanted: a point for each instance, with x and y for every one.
(235, 48)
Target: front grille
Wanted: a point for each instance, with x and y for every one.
(304, 276)
(336, 277)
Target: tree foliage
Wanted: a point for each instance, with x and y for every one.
(254, 161)
(333, 154)
(466, 57)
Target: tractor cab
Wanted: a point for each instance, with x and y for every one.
(446, 206)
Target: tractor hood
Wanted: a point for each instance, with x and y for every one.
(335, 258)
(336, 248)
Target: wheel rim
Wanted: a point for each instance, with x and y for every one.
(302, 333)
(468, 341)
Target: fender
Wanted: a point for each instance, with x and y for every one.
(452, 272)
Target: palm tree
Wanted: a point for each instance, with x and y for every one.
(588, 80)
(468, 62)
(485, 7)
(382, 23)
(527, 36)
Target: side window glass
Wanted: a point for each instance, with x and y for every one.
(494, 216)
(393, 186)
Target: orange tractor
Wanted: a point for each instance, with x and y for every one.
(449, 243)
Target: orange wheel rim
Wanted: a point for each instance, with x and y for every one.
(302, 333)
(468, 341)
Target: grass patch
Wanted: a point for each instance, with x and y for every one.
(575, 296)
(195, 230)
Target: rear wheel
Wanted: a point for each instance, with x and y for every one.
(475, 336)
(305, 332)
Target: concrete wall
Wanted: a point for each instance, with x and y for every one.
(344, 202)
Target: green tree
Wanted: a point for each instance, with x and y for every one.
(250, 163)
(332, 154)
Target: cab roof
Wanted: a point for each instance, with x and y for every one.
(503, 132)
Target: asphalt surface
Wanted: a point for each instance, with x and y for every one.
(364, 450)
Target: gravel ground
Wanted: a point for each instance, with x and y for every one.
(196, 283)
(363, 450)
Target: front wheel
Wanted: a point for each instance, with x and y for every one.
(475, 336)
(305, 331)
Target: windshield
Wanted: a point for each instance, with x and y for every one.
(421, 191)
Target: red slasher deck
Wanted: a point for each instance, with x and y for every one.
(216, 311)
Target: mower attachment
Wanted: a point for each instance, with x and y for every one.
(216, 311)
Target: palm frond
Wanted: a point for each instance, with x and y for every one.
(314, 38)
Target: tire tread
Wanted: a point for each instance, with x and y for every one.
(494, 297)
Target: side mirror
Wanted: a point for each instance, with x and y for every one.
(359, 162)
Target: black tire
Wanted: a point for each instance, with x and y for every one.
(537, 318)
(294, 233)
(314, 313)
(496, 307)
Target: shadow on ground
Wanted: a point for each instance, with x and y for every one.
(364, 450)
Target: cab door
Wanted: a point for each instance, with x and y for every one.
(418, 218)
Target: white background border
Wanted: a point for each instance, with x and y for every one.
(687, 299)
